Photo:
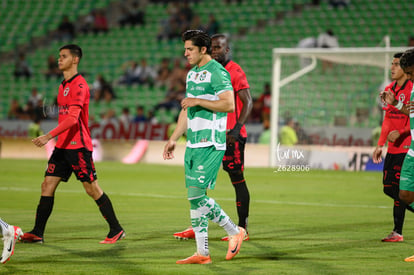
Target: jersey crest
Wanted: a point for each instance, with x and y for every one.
(66, 91)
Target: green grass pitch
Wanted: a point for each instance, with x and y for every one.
(317, 222)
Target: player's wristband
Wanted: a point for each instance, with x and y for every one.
(399, 105)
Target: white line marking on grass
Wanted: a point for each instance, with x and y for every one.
(19, 189)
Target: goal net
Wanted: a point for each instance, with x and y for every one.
(336, 87)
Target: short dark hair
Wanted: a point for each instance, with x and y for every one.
(74, 50)
(407, 59)
(398, 55)
(199, 39)
(219, 35)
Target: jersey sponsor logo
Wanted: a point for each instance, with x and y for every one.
(200, 169)
(66, 91)
(201, 179)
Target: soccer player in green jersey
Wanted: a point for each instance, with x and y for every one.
(209, 97)
(407, 170)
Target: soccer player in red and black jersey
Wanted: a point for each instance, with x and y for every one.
(396, 130)
(233, 161)
(73, 150)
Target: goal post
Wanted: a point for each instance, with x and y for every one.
(359, 69)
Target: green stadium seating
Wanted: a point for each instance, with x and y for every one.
(362, 24)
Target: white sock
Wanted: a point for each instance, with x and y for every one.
(213, 211)
(199, 223)
(231, 228)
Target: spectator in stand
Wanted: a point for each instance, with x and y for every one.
(306, 43)
(39, 111)
(196, 23)
(163, 73)
(142, 74)
(125, 117)
(186, 11)
(22, 68)
(213, 25)
(29, 111)
(35, 97)
(179, 20)
(303, 138)
(178, 74)
(265, 135)
(288, 135)
(88, 21)
(132, 14)
(145, 73)
(339, 3)
(66, 29)
(327, 39)
(100, 23)
(168, 28)
(108, 94)
(15, 110)
(265, 100)
(34, 129)
(411, 41)
(173, 98)
(108, 117)
(256, 113)
(151, 118)
(140, 116)
(130, 75)
(100, 87)
(52, 68)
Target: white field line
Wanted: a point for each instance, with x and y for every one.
(144, 195)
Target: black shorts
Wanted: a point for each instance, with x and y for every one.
(233, 159)
(65, 161)
(392, 169)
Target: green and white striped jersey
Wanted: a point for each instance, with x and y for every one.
(205, 127)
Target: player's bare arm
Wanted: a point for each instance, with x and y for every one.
(178, 132)
(389, 98)
(42, 140)
(247, 101)
(71, 120)
(224, 104)
(377, 155)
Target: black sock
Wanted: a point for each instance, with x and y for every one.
(242, 198)
(105, 206)
(44, 209)
(399, 214)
